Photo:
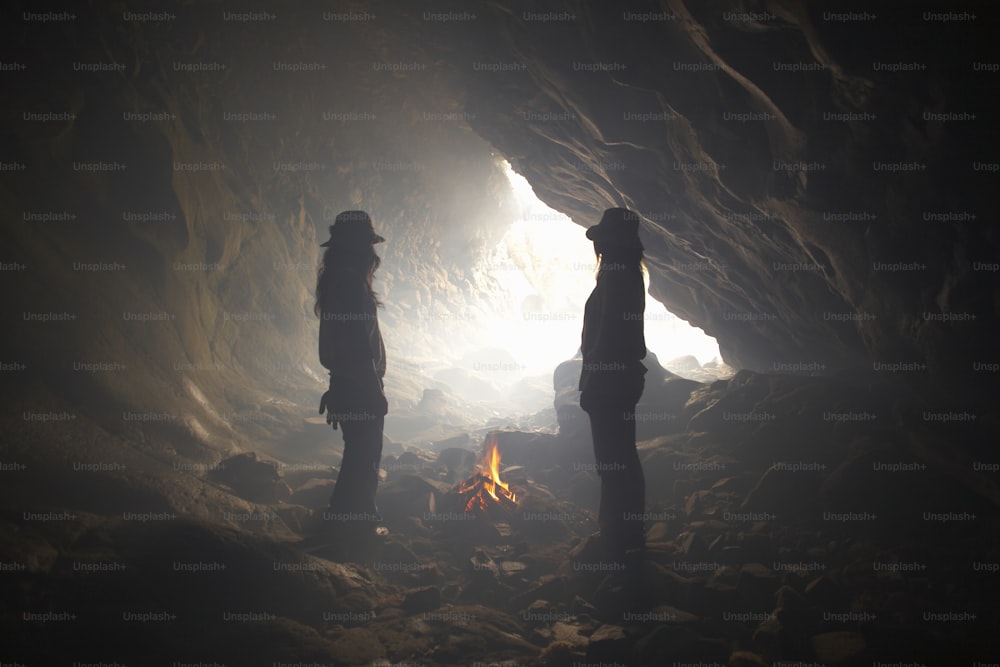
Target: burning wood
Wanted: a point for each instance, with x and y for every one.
(485, 490)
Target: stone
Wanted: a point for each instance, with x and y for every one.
(692, 546)
(422, 599)
(822, 592)
(459, 462)
(314, 493)
(541, 518)
(839, 648)
(669, 614)
(658, 532)
(747, 659)
(356, 646)
(767, 638)
(570, 634)
(558, 654)
(608, 642)
(697, 501)
(757, 584)
(680, 644)
(792, 606)
(789, 495)
(856, 485)
(684, 363)
(714, 596)
(409, 458)
(757, 546)
(407, 495)
(433, 401)
(251, 478)
(548, 587)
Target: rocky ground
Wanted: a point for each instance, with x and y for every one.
(165, 512)
(776, 535)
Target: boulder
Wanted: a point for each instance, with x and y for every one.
(252, 478)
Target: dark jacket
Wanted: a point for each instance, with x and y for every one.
(350, 343)
(613, 341)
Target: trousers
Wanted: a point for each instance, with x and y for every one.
(354, 493)
(623, 485)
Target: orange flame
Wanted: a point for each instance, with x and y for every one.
(487, 479)
(490, 464)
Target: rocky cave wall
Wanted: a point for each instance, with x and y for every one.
(786, 209)
(181, 263)
(110, 420)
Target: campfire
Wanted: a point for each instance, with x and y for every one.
(485, 490)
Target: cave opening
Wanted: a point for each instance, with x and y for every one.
(476, 324)
(552, 264)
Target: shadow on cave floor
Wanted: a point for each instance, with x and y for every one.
(788, 519)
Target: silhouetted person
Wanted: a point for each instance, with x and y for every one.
(351, 348)
(612, 378)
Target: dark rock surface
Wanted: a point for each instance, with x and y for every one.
(749, 559)
(163, 470)
(752, 252)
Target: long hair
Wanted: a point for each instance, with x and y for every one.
(337, 257)
(612, 257)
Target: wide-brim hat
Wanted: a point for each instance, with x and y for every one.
(618, 227)
(353, 227)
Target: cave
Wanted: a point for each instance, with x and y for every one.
(812, 181)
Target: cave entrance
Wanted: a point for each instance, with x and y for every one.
(482, 356)
(547, 265)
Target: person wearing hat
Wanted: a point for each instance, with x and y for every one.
(612, 378)
(351, 348)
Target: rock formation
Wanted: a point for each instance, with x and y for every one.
(814, 185)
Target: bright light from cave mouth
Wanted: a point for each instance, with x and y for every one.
(547, 265)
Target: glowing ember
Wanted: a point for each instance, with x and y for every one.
(485, 489)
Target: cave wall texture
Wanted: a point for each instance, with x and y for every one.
(815, 181)
(786, 209)
(807, 198)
